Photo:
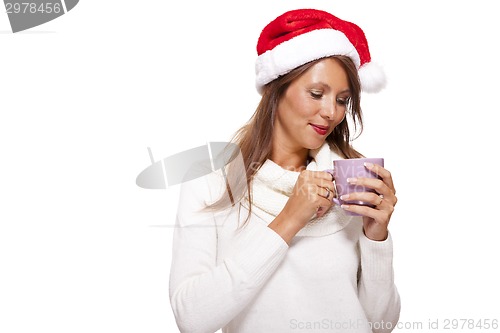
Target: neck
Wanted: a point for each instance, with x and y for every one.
(290, 159)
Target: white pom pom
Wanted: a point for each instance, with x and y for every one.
(372, 78)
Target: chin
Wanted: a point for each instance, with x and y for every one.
(314, 145)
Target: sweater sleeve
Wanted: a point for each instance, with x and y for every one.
(377, 292)
(205, 296)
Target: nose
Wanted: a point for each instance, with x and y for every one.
(329, 108)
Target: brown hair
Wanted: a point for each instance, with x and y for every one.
(254, 139)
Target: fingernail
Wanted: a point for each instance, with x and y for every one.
(344, 197)
(345, 207)
(368, 165)
(352, 180)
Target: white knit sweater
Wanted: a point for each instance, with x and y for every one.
(248, 280)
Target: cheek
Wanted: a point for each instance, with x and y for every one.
(298, 108)
(301, 110)
(340, 117)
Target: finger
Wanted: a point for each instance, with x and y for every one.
(319, 178)
(324, 197)
(325, 175)
(365, 197)
(322, 211)
(330, 172)
(376, 214)
(316, 194)
(324, 192)
(326, 184)
(382, 173)
(374, 183)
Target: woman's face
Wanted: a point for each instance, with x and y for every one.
(312, 106)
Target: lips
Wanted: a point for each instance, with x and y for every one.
(320, 129)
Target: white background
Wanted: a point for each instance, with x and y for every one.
(83, 249)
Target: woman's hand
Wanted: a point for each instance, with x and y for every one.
(375, 220)
(312, 195)
(313, 191)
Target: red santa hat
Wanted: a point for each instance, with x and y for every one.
(303, 35)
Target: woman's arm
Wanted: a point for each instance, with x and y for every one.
(376, 289)
(206, 296)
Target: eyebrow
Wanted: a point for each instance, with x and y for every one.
(328, 86)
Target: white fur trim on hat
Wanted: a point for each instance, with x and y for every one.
(300, 50)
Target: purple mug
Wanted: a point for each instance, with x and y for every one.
(352, 168)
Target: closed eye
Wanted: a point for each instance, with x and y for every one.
(316, 94)
(343, 101)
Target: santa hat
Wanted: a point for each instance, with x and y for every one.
(303, 35)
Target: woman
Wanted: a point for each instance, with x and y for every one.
(260, 246)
